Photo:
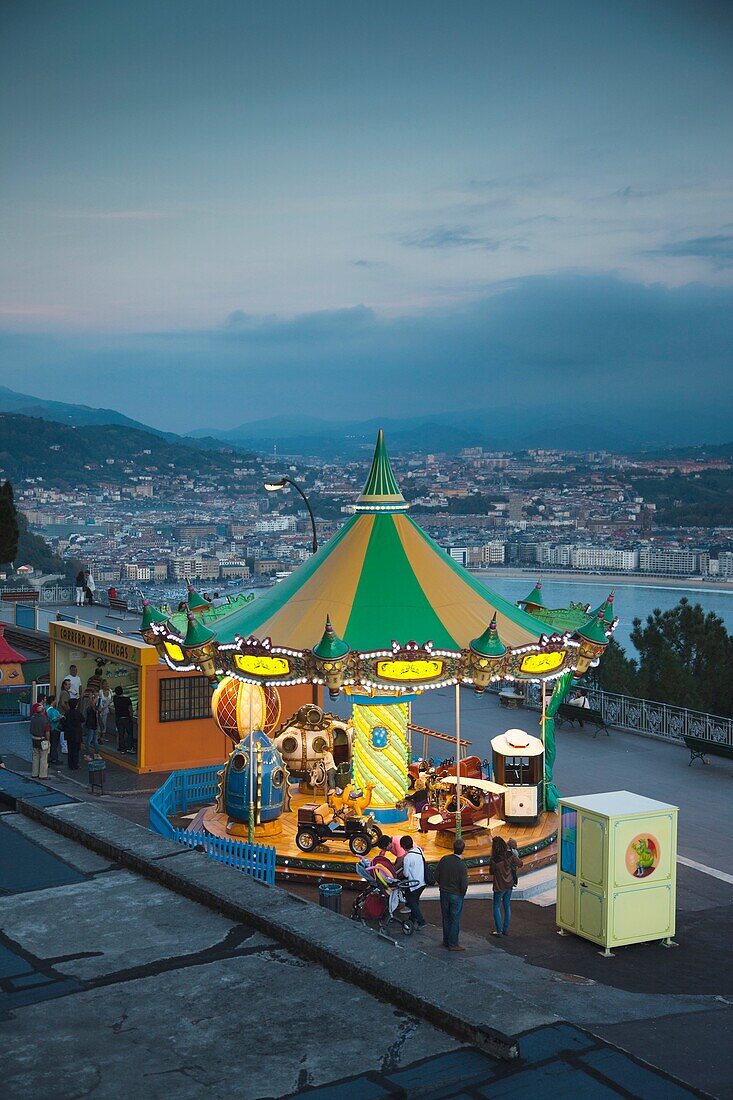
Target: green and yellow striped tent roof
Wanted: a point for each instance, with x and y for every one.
(380, 579)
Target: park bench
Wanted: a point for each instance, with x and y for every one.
(118, 606)
(568, 712)
(19, 595)
(700, 746)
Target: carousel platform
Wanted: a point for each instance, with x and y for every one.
(334, 862)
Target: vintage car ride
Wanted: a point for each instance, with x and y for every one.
(360, 833)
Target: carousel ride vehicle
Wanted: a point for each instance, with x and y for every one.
(361, 834)
(480, 800)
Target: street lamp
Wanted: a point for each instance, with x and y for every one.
(275, 486)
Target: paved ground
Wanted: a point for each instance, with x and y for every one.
(672, 1008)
(138, 990)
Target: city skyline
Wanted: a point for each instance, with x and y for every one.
(316, 209)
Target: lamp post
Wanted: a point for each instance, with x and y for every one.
(275, 486)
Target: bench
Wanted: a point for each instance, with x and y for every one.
(699, 746)
(118, 606)
(19, 595)
(568, 712)
(511, 699)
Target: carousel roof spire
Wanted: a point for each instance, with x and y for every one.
(534, 599)
(196, 634)
(330, 647)
(594, 630)
(489, 644)
(381, 492)
(151, 615)
(605, 610)
(195, 601)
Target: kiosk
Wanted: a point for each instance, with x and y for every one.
(617, 871)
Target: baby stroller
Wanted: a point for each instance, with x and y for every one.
(383, 899)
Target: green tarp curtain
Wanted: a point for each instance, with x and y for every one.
(562, 686)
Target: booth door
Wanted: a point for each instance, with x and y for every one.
(567, 880)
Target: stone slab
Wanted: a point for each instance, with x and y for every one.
(351, 951)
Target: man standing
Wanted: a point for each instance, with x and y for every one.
(123, 720)
(453, 883)
(74, 682)
(413, 867)
(81, 588)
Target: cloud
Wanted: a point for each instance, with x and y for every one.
(236, 318)
(368, 263)
(110, 215)
(718, 249)
(595, 346)
(455, 236)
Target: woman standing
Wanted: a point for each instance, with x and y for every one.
(62, 702)
(73, 730)
(104, 702)
(502, 865)
(81, 587)
(40, 741)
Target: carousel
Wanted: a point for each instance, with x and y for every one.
(382, 614)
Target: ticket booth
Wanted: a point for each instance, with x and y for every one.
(617, 869)
(172, 724)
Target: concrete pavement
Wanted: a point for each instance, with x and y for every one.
(136, 988)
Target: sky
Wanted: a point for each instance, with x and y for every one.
(212, 213)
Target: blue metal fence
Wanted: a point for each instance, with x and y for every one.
(183, 789)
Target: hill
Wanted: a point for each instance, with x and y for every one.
(68, 456)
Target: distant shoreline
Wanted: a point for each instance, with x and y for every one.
(616, 580)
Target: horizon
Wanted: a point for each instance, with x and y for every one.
(263, 212)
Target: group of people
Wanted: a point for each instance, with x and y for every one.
(85, 587)
(402, 857)
(59, 725)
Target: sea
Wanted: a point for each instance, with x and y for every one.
(631, 601)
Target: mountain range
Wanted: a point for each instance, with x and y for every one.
(515, 427)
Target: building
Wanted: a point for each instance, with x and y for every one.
(669, 562)
(493, 553)
(459, 554)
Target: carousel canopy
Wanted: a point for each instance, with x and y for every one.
(380, 579)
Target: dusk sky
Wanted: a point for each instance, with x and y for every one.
(212, 213)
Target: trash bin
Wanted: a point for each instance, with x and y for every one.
(329, 896)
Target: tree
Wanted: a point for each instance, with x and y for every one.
(8, 524)
(617, 672)
(685, 658)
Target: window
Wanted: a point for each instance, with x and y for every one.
(184, 697)
(568, 840)
(516, 770)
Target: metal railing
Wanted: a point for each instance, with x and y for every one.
(652, 719)
(183, 789)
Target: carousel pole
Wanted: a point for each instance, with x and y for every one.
(458, 762)
(251, 822)
(543, 719)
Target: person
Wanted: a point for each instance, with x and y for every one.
(40, 728)
(81, 585)
(123, 720)
(329, 765)
(502, 865)
(413, 868)
(62, 701)
(453, 883)
(73, 732)
(104, 702)
(111, 592)
(74, 683)
(94, 683)
(385, 870)
(579, 699)
(89, 587)
(54, 718)
(90, 726)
